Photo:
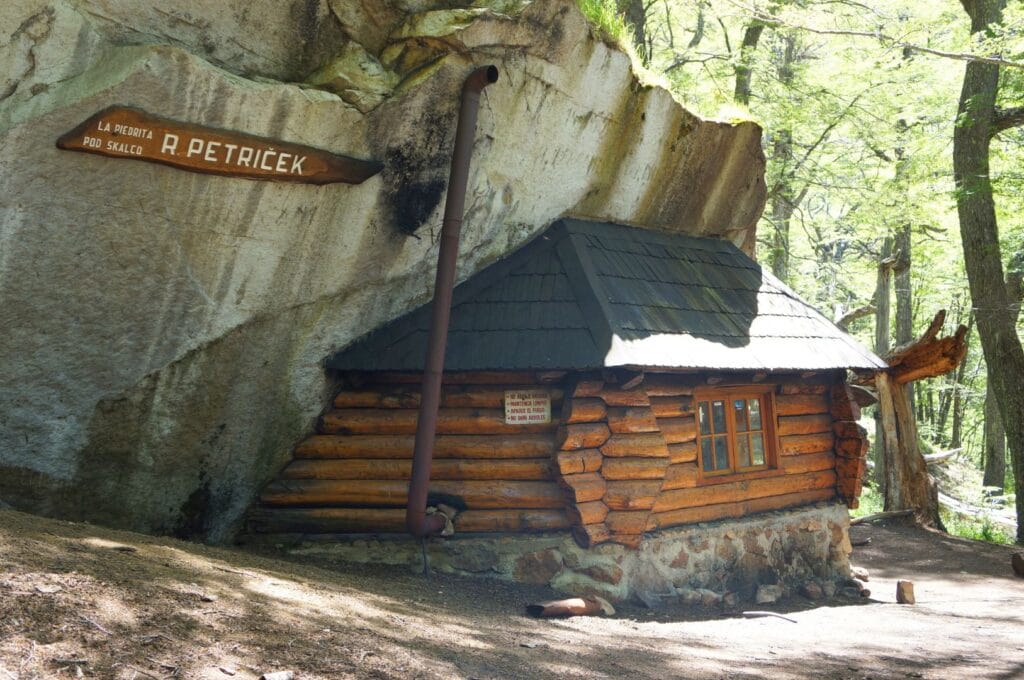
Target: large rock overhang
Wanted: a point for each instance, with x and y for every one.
(137, 295)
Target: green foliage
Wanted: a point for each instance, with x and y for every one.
(870, 502)
(605, 18)
(857, 137)
(974, 528)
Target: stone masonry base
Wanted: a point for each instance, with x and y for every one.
(700, 562)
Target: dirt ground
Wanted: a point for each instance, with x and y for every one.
(82, 601)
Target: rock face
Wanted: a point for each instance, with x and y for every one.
(164, 331)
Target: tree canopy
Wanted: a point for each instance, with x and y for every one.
(862, 103)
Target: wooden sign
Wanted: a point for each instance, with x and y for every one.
(524, 407)
(120, 132)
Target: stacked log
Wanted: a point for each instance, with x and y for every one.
(579, 460)
(851, 445)
(352, 475)
(611, 442)
(621, 459)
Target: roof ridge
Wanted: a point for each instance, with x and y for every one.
(585, 285)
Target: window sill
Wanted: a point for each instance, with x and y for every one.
(739, 476)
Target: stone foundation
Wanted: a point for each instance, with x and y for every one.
(701, 562)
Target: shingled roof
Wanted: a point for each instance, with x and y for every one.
(586, 295)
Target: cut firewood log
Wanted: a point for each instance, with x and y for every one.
(511, 521)
(587, 388)
(632, 495)
(889, 514)
(589, 535)
(589, 486)
(474, 495)
(815, 424)
(585, 410)
(592, 512)
(573, 606)
(648, 445)
(678, 430)
(804, 388)
(681, 476)
(627, 522)
(631, 419)
(809, 463)
(682, 453)
(794, 445)
(801, 404)
(403, 421)
(581, 436)
(672, 407)
(729, 492)
(618, 397)
(710, 513)
(442, 469)
(445, 446)
(582, 460)
(634, 468)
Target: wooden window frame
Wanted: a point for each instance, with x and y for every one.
(769, 427)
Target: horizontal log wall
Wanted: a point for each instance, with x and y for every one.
(619, 458)
(352, 475)
(629, 461)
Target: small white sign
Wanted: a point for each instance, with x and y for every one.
(524, 407)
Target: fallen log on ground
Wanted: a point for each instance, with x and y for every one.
(573, 606)
(880, 515)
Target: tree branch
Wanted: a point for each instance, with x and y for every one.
(883, 38)
(854, 314)
(1005, 119)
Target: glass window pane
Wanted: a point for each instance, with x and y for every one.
(743, 450)
(755, 414)
(705, 421)
(740, 412)
(757, 447)
(718, 415)
(707, 460)
(721, 453)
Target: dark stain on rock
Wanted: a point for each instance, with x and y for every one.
(414, 176)
(196, 511)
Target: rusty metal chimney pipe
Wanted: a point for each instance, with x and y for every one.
(416, 520)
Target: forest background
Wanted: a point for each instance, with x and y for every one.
(892, 131)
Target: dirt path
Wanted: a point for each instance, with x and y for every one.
(121, 605)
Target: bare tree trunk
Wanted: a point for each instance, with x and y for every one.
(980, 235)
(882, 305)
(784, 194)
(995, 433)
(908, 484)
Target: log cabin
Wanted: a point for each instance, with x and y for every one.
(604, 382)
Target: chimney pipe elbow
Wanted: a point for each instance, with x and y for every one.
(480, 78)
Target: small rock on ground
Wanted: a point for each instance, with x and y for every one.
(905, 592)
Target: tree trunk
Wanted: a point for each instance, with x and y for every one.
(980, 236)
(995, 433)
(784, 194)
(995, 442)
(882, 304)
(635, 14)
(907, 482)
(751, 35)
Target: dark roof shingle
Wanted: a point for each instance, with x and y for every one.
(591, 295)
